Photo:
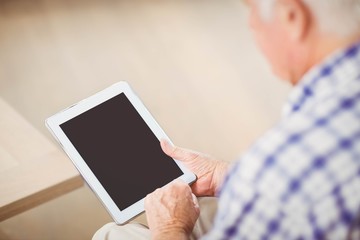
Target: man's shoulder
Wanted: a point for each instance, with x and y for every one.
(302, 142)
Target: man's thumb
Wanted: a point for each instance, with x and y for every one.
(168, 148)
(176, 152)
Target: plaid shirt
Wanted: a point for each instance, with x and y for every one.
(301, 180)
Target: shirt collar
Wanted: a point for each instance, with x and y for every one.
(341, 67)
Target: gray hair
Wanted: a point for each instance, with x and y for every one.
(341, 17)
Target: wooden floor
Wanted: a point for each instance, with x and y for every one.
(193, 63)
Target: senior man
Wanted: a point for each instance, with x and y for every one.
(301, 180)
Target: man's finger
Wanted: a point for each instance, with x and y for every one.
(196, 203)
(176, 152)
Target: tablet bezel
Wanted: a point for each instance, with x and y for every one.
(53, 124)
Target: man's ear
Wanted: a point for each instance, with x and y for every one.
(294, 17)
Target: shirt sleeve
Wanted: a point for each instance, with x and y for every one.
(245, 210)
(301, 180)
(244, 213)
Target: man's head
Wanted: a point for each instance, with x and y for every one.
(295, 35)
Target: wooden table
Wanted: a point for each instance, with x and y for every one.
(32, 169)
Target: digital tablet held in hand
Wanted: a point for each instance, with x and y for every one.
(113, 141)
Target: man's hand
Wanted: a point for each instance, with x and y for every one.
(210, 172)
(172, 211)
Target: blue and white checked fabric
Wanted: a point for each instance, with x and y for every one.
(301, 180)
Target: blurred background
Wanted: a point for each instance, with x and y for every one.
(192, 62)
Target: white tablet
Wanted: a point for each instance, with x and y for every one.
(113, 141)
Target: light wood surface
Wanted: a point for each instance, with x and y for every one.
(193, 63)
(32, 170)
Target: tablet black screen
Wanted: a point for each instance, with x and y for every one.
(121, 150)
